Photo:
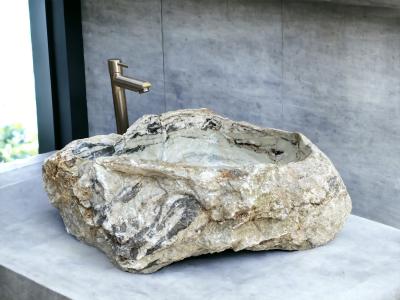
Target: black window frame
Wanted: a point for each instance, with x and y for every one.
(59, 69)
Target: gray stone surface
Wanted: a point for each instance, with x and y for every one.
(14, 286)
(329, 70)
(363, 262)
(191, 182)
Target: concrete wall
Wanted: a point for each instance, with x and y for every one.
(376, 3)
(329, 70)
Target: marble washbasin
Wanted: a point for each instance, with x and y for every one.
(191, 182)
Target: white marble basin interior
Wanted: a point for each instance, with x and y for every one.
(217, 147)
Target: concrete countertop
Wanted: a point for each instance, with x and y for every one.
(39, 260)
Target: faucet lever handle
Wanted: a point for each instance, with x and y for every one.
(122, 65)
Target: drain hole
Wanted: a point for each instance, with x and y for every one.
(277, 152)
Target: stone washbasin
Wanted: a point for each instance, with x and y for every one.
(190, 182)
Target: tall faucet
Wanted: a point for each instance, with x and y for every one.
(119, 83)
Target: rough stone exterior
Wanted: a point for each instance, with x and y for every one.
(191, 182)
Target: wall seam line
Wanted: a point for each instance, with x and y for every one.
(282, 61)
(163, 52)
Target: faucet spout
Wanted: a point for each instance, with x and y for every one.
(132, 84)
(119, 83)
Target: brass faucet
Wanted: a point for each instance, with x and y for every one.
(119, 83)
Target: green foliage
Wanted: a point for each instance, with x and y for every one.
(15, 144)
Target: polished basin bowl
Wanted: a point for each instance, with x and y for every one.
(191, 182)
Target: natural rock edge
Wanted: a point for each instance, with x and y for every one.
(191, 182)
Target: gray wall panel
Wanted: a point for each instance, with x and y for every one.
(342, 89)
(226, 56)
(129, 30)
(373, 3)
(329, 70)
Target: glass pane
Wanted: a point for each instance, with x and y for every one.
(18, 127)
